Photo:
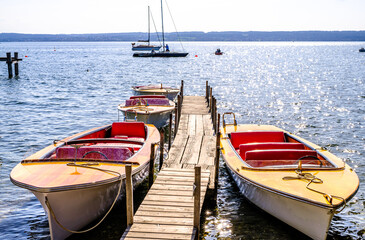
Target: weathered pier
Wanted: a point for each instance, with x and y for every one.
(10, 60)
(172, 207)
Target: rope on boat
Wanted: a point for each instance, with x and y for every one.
(115, 200)
(313, 179)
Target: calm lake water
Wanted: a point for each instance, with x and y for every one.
(315, 90)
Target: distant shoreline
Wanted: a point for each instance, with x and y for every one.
(229, 36)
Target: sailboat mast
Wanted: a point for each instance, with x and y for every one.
(163, 33)
(148, 25)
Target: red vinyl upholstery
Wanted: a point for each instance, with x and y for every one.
(267, 145)
(238, 138)
(130, 129)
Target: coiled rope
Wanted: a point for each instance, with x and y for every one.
(115, 200)
(313, 179)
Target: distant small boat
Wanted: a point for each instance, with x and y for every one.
(154, 109)
(292, 179)
(362, 50)
(158, 89)
(148, 46)
(79, 179)
(218, 52)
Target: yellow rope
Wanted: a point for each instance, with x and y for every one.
(313, 179)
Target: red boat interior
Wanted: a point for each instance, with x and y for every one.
(116, 143)
(274, 148)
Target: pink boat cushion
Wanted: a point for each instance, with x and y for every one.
(148, 96)
(238, 138)
(147, 101)
(261, 158)
(130, 129)
(135, 147)
(267, 145)
(158, 101)
(112, 153)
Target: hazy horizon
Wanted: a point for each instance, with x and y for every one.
(112, 16)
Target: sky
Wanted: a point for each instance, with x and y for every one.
(115, 16)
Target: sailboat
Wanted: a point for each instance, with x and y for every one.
(148, 46)
(165, 49)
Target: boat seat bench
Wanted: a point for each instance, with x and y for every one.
(243, 148)
(95, 152)
(238, 138)
(130, 129)
(262, 158)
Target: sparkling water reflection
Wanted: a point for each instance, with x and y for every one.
(315, 90)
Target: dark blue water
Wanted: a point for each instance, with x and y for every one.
(315, 90)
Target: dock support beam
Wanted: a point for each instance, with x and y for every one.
(170, 131)
(162, 146)
(216, 162)
(129, 194)
(197, 192)
(10, 66)
(151, 171)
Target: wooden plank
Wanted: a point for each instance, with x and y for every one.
(159, 203)
(163, 220)
(199, 125)
(172, 192)
(208, 152)
(161, 228)
(175, 214)
(208, 126)
(147, 235)
(159, 208)
(192, 151)
(177, 150)
(192, 125)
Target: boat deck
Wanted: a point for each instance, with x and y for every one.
(167, 211)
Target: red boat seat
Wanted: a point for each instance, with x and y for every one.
(262, 158)
(130, 129)
(238, 138)
(94, 152)
(267, 145)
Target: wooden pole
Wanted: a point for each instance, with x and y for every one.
(178, 109)
(216, 160)
(10, 66)
(206, 91)
(152, 166)
(170, 131)
(197, 192)
(129, 194)
(162, 145)
(210, 99)
(182, 88)
(16, 65)
(175, 126)
(213, 114)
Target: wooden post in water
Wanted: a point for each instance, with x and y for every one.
(175, 126)
(197, 192)
(170, 131)
(151, 171)
(9, 62)
(210, 99)
(206, 91)
(178, 110)
(129, 193)
(216, 160)
(162, 145)
(16, 65)
(182, 89)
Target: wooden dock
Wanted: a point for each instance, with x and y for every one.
(168, 211)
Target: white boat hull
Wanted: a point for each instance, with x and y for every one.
(171, 95)
(309, 219)
(158, 119)
(74, 209)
